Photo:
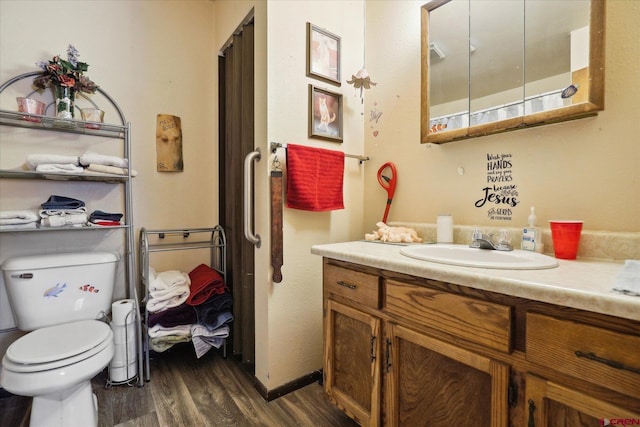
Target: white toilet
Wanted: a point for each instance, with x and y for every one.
(59, 297)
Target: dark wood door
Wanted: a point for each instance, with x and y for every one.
(236, 140)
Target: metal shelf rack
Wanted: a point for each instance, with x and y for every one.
(154, 241)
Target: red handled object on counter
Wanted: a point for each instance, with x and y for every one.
(388, 180)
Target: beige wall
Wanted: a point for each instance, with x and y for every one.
(587, 169)
(294, 347)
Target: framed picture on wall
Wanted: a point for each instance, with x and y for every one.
(325, 114)
(323, 54)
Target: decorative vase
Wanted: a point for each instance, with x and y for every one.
(65, 99)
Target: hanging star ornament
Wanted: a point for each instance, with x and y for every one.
(361, 80)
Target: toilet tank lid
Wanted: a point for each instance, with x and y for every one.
(58, 260)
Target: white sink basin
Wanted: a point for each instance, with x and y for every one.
(465, 256)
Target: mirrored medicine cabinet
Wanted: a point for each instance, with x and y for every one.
(493, 65)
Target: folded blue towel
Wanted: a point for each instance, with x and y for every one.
(213, 323)
(62, 202)
(208, 312)
(106, 216)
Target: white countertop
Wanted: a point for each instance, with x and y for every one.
(581, 284)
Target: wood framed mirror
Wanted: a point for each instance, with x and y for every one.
(491, 66)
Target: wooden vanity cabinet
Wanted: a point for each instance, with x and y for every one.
(406, 351)
(352, 349)
(427, 381)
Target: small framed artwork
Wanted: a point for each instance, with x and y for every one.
(323, 54)
(325, 114)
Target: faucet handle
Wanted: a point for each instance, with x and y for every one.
(477, 234)
(504, 236)
(504, 241)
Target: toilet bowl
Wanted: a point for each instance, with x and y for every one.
(58, 297)
(55, 365)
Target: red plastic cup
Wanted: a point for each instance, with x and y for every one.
(566, 238)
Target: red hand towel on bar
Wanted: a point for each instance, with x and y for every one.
(314, 178)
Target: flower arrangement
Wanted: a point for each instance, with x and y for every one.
(61, 73)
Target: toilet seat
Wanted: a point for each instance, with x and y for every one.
(57, 346)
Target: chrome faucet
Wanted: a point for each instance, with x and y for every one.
(485, 241)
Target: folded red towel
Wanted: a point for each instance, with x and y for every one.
(314, 178)
(205, 282)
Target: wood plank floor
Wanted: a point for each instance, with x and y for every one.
(190, 392)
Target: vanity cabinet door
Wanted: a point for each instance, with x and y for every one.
(432, 383)
(351, 362)
(549, 404)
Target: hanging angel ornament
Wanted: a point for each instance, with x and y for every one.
(361, 80)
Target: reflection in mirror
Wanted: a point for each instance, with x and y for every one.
(449, 52)
(556, 54)
(496, 37)
(495, 65)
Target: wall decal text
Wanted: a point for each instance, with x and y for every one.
(500, 195)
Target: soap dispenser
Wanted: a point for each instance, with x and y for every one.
(530, 234)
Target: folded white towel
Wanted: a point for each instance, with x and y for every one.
(34, 160)
(97, 168)
(628, 280)
(17, 217)
(65, 220)
(161, 331)
(45, 213)
(161, 344)
(169, 293)
(89, 158)
(60, 168)
(155, 305)
(170, 279)
(169, 289)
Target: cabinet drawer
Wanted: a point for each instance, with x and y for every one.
(607, 358)
(354, 285)
(474, 320)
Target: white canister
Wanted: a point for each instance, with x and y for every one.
(445, 229)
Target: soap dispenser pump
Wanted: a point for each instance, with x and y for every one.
(530, 234)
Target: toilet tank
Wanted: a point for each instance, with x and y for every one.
(46, 290)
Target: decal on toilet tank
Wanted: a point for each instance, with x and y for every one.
(55, 291)
(89, 288)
